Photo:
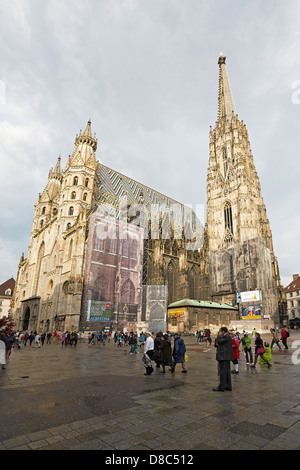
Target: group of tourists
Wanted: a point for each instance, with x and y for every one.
(159, 350)
(228, 345)
(204, 336)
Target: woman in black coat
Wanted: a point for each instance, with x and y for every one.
(165, 352)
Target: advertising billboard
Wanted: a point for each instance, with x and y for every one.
(250, 296)
(99, 311)
(176, 312)
(252, 311)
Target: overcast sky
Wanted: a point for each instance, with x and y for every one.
(145, 72)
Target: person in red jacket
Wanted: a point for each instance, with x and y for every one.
(236, 352)
(284, 337)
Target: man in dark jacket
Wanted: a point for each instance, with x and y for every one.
(224, 357)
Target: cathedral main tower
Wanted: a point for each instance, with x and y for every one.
(240, 248)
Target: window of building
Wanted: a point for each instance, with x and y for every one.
(73, 196)
(225, 162)
(44, 210)
(228, 218)
(85, 196)
(71, 211)
(195, 319)
(125, 248)
(134, 249)
(87, 183)
(113, 246)
(75, 182)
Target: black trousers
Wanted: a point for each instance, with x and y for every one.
(225, 375)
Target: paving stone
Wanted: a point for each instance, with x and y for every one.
(156, 413)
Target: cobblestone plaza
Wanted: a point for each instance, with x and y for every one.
(97, 398)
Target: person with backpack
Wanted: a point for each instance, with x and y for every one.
(284, 336)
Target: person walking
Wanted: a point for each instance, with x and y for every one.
(284, 336)
(31, 338)
(246, 341)
(37, 340)
(224, 356)
(148, 353)
(157, 343)
(260, 350)
(236, 352)
(3, 351)
(49, 336)
(165, 352)
(275, 339)
(43, 337)
(178, 353)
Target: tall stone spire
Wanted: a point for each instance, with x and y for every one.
(239, 240)
(225, 101)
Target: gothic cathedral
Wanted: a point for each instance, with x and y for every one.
(69, 276)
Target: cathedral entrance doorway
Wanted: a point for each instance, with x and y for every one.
(26, 319)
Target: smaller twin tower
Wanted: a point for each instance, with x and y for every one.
(67, 275)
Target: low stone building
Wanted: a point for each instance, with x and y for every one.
(188, 315)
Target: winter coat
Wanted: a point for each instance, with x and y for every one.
(165, 352)
(224, 348)
(235, 348)
(179, 350)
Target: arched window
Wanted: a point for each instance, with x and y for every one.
(87, 183)
(44, 210)
(192, 283)
(41, 223)
(128, 292)
(228, 223)
(228, 217)
(171, 279)
(75, 182)
(68, 226)
(73, 195)
(85, 196)
(71, 211)
(101, 288)
(225, 162)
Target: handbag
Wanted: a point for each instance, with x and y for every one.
(260, 351)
